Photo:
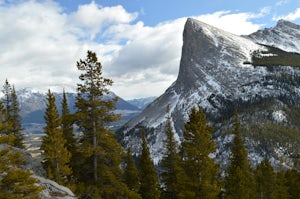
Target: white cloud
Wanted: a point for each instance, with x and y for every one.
(40, 45)
(94, 17)
(291, 16)
(237, 23)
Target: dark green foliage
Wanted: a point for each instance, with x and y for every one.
(239, 178)
(99, 166)
(12, 117)
(68, 135)
(200, 168)
(265, 180)
(293, 183)
(131, 175)
(172, 174)
(67, 126)
(55, 154)
(16, 120)
(281, 58)
(281, 189)
(15, 182)
(149, 188)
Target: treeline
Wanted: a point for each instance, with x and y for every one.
(94, 165)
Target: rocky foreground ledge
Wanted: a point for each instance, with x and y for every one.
(51, 190)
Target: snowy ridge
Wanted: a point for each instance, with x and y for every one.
(285, 35)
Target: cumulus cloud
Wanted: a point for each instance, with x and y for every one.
(94, 17)
(40, 45)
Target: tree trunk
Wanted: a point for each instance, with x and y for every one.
(95, 164)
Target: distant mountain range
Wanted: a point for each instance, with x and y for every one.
(33, 105)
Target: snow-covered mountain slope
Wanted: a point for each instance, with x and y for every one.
(216, 74)
(285, 35)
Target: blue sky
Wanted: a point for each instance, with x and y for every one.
(152, 12)
(137, 41)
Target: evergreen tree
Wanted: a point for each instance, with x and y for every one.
(16, 120)
(56, 156)
(281, 188)
(149, 188)
(7, 98)
(15, 182)
(293, 183)
(201, 170)
(68, 134)
(131, 175)
(100, 171)
(293, 179)
(67, 126)
(239, 179)
(265, 180)
(172, 173)
(12, 115)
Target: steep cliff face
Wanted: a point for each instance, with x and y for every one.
(216, 73)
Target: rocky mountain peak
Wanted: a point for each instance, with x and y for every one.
(203, 48)
(286, 24)
(217, 73)
(285, 35)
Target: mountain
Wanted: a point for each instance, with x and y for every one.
(220, 71)
(33, 105)
(141, 103)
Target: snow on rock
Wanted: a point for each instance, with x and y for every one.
(284, 36)
(279, 116)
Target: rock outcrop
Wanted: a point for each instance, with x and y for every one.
(51, 190)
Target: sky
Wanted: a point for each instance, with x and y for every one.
(138, 42)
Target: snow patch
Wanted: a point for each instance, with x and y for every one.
(279, 116)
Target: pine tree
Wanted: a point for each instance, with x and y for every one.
(15, 182)
(239, 179)
(16, 120)
(293, 183)
(7, 98)
(131, 175)
(12, 115)
(100, 171)
(281, 189)
(172, 173)
(265, 180)
(293, 179)
(56, 156)
(67, 126)
(68, 134)
(197, 146)
(149, 188)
